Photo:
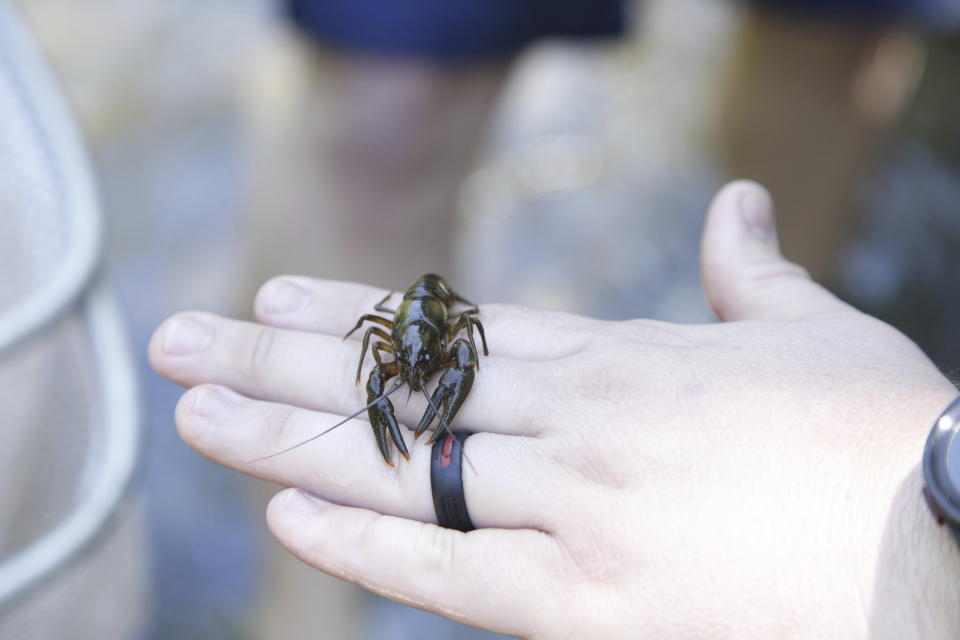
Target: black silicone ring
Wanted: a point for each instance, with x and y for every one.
(446, 481)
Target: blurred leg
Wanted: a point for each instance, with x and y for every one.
(356, 164)
(359, 180)
(805, 110)
(408, 133)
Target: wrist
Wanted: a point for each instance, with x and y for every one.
(917, 582)
(917, 587)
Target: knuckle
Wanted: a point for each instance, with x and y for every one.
(525, 411)
(594, 560)
(366, 531)
(529, 417)
(601, 380)
(440, 550)
(261, 353)
(281, 423)
(595, 467)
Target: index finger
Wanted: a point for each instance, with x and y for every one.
(329, 306)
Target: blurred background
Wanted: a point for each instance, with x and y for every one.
(236, 140)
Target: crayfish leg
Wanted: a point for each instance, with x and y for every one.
(371, 318)
(376, 349)
(467, 322)
(475, 322)
(379, 306)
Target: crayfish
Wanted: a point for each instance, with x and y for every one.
(419, 342)
(423, 325)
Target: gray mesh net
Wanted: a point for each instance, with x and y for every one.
(72, 556)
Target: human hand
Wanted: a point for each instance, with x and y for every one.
(753, 478)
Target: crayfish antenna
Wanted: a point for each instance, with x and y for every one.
(326, 431)
(445, 426)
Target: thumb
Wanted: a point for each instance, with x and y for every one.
(744, 275)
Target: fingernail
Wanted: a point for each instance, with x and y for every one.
(298, 501)
(756, 212)
(285, 297)
(214, 402)
(186, 335)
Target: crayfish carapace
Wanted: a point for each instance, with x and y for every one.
(419, 342)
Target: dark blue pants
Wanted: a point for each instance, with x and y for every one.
(469, 29)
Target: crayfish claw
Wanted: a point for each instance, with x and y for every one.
(397, 435)
(387, 429)
(454, 387)
(380, 434)
(382, 417)
(429, 415)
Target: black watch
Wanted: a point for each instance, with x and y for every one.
(941, 468)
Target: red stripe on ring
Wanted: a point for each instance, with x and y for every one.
(446, 451)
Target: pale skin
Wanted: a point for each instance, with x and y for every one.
(754, 478)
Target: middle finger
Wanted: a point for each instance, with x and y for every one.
(318, 372)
